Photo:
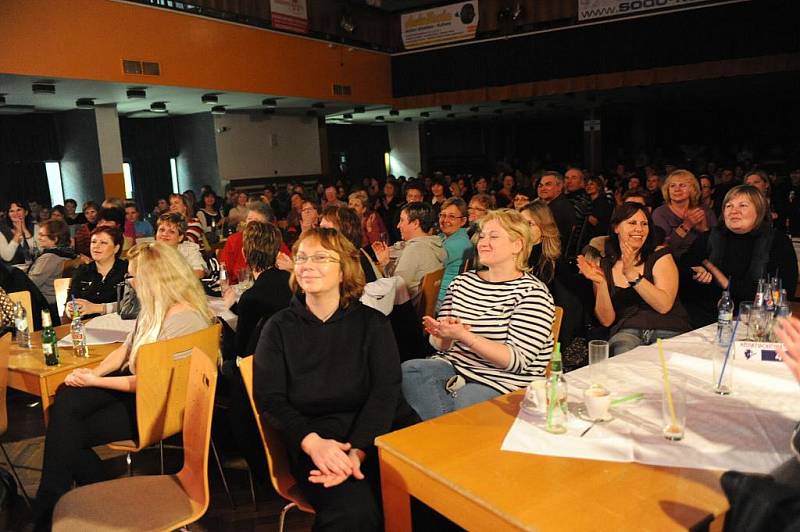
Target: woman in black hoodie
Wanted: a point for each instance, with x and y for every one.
(327, 377)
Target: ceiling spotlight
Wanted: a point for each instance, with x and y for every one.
(451, 115)
(84, 103)
(136, 94)
(407, 119)
(379, 117)
(475, 109)
(209, 99)
(424, 114)
(318, 105)
(358, 109)
(268, 111)
(269, 102)
(43, 88)
(2, 99)
(394, 112)
(347, 116)
(158, 107)
(446, 107)
(218, 110)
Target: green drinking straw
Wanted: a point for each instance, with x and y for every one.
(627, 399)
(551, 403)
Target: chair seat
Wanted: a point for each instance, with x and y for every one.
(300, 500)
(124, 445)
(128, 504)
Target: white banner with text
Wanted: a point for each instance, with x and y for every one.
(446, 24)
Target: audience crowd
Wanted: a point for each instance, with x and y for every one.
(630, 256)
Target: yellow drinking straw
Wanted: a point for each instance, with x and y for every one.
(665, 373)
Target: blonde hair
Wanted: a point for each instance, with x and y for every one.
(551, 241)
(751, 193)
(361, 197)
(694, 196)
(517, 228)
(352, 285)
(163, 279)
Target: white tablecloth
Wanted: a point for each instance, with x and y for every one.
(747, 431)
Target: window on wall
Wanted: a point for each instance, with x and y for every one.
(128, 177)
(173, 168)
(53, 170)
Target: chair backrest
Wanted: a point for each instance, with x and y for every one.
(5, 350)
(162, 374)
(278, 461)
(61, 286)
(69, 266)
(202, 384)
(557, 323)
(24, 298)
(429, 292)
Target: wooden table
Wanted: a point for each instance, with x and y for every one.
(27, 371)
(454, 465)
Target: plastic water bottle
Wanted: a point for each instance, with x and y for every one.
(724, 318)
(21, 324)
(78, 332)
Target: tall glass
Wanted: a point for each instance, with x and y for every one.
(745, 311)
(673, 411)
(759, 324)
(598, 363)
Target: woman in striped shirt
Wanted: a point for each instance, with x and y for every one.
(494, 330)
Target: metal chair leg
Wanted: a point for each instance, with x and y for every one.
(282, 520)
(129, 461)
(161, 451)
(16, 476)
(252, 488)
(222, 474)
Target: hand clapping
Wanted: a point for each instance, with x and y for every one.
(447, 328)
(590, 270)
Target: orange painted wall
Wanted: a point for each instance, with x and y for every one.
(114, 185)
(87, 39)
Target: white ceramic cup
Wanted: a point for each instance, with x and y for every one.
(598, 401)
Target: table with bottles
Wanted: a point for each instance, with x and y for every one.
(461, 464)
(28, 372)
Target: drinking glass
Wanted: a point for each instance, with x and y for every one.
(759, 323)
(673, 411)
(745, 311)
(598, 363)
(245, 280)
(723, 385)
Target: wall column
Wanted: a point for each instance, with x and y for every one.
(110, 143)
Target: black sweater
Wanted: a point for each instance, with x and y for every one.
(269, 294)
(88, 284)
(339, 378)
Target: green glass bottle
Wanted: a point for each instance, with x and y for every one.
(556, 390)
(49, 340)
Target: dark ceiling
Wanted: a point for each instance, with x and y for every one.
(394, 6)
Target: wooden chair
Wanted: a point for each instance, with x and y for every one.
(279, 473)
(557, 323)
(69, 267)
(154, 502)
(429, 292)
(62, 293)
(5, 349)
(162, 370)
(24, 298)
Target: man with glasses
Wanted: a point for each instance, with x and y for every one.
(419, 252)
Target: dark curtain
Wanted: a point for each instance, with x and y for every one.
(148, 144)
(363, 148)
(26, 142)
(710, 34)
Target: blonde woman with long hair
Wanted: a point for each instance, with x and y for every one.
(98, 406)
(546, 249)
(493, 333)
